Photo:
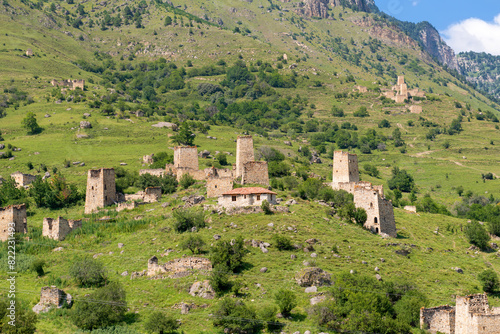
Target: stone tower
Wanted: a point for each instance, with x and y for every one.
(101, 189)
(12, 216)
(345, 168)
(186, 157)
(244, 153)
(401, 80)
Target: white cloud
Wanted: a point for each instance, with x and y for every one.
(415, 2)
(474, 35)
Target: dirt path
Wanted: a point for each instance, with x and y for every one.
(421, 154)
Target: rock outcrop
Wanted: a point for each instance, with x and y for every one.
(436, 46)
(357, 5)
(313, 277)
(315, 8)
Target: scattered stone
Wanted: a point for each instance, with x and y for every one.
(125, 273)
(58, 249)
(192, 200)
(110, 253)
(377, 269)
(270, 225)
(307, 332)
(2, 146)
(185, 308)
(217, 237)
(382, 260)
(202, 289)
(293, 256)
(264, 249)
(317, 299)
(288, 143)
(364, 262)
(97, 255)
(120, 245)
(314, 255)
(85, 125)
(123, 164)
(458, 270)
(311, 289)
(351, 271)
(47, 116)
(82, 164)
(263, 269)
(313, 276)
(87, 114)
(378, 277)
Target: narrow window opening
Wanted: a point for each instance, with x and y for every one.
(258, 197)
(233, 198)
(376, 220)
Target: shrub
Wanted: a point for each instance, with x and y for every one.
(337, 112)
(489, 280)
(384, 124)
(401, 180)
(87, 272)
(236, 317)
(371, 170)
(286, 301)
(30, 123)
(219, 279)
(186, 219)
(37, 266)
(160, 323)
(168, 183)
(408, 307)
(222, 158)
(89, 314)
(267, 314)
(361, 112)
(228, 253)
(266, 207)
(477, 235)
(282, 242)
(160, 159)
(194, 243)
(25, 322)
(360, 216)
(186, 181)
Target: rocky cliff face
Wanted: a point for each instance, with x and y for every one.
(360, 5)
(319, 8)
(436, 46)
(315, 8)
(481, 69)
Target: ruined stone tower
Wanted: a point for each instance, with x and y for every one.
(345, 168)
(401, 80)
(59, 228)
(244, 153)
(12, 216)
(186, 157)
(101, 189)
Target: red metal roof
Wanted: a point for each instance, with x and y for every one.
(249, 191)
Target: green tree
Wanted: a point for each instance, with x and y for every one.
(186, 181)
(185, 135)
(30, 123)
(87, 272)
(160, 323)
(186, 219)
(477, 235)
(26, 319)
(37, 266)
(286, 301)
(168, 21)
(104, 307)
(282, 242)
(489, 280)
(222, 158)
(227, 253)
(194, 243)
(266, 207)
(360, 216)
(234, 315)
(219, 279)
(361, 112)
(401, 180)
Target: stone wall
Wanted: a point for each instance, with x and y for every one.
(178, 267)
(126, 206)
(229, 201)
(216, 186)
(59, 228)
(155, 172)
(148, 159)
(52, 296)
(186, 157)
(196, 174)
(101, 189)
(149, 195)
(255, 172)
(23, 180)
(438, 319)
(345, 167)
(465, 307)
(13, 214)
(69, 84)
(244, 153)
(416, 109)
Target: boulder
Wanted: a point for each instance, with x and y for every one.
(311, 289)
(193, 200)
(204, 154)
(263, 269)
(291, 202)
(317, 299)
(313, 276)
(202, 289)
(85, 125)
(185, 308)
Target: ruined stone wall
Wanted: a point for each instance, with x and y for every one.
(401, 80)
(411, 208)
(438, 319)
(484, 324)
(152, 194)
(148, 159)
(186, 157)
(178, 266)
(400, 98)
(386, 217)
(126, 206)
(416, 109)
(216, 186)
(379, 211)
(70, 84)
(255, 172)
(101, 189)
(244, 153)
(13, 214)
(219, 172)
(345, 168)
(23, 180)
(229, 201)
(59, 228)
(198, 175)
(155, 172)
(465, 307)
(52, 296)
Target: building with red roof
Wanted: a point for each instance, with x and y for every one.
(251, 196)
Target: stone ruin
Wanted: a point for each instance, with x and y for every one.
(247, 168)
(101, 189)
(471, 315)
(379, 211)
(50, 297)
(179, 267)
(69, 84)
(400, 91)
(23, 180)
(59, 228)
(13, 216)
(149, 195)
(216, 186)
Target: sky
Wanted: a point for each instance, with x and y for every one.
(465, 25)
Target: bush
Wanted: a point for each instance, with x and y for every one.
(477, 235)
(282, 242)
(489, 280)
(161, 159)
(110, 308)
(267, 314)
(286, 301)
(186, 181)
(26, 319)
(222, 158)
(228, 254)
(361, 112)
(186, 219)
(236, 317)
(337, 112)
(360, 216)
(266, 207)
(408, 307)
(401, 180)
(168, 183)
(160, 323)
(219, 279)
(371, 170)
(194, 243)
(87, 272)
(37, 266)
(310, 188)
(384, 124)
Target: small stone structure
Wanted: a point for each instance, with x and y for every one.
(148, 159)
(400, 92)
(216, 186)
(410, 208)
(59, 228)
(69, 84)
(23, 180)
(255, 172)
(101, 189)
(361, 89)
(50, 297)
(29, 53)
(251, 196)
(471, 315)
(160, 172)
(414, 109)
(380, 213)
(126, 206)
(13, 216)
(149, 195)
(178, 267)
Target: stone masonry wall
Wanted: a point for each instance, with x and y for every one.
(52, 296)
(15, 214)
(465, 306)
(178, 266)
(438, 319)
(216, 186)
(386, 217)
(101, 189)
(255, 172)
(23, 180)
(186, 156)
(244, 153)
(345, 167)
(155, 172)
(126, 206)
(71, 84)
(485, 324)
(59, 228)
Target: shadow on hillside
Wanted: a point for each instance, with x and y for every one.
(298, 316)
(244, 266)
(130, 318)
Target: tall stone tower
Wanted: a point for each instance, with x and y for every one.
(401, 80)
(345, 168)
(12, 216)
(244, 153)
(101, 189)
(186, 157)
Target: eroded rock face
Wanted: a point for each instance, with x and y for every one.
(315, 8)
(313, 277)
(360, 5)
(436, 46)
(202, 289)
